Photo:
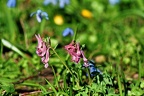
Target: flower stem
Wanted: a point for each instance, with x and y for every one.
(42, 25)
(89, 78)
(62, 61)
(75, 34)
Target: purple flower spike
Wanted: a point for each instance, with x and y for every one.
(43, 50)
(11, 3)
(40, 15)
(86, 64)
(76, 53)
(68, 31)
(46, 59)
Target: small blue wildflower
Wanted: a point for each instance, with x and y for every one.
(40, 15)
(68, 31)
(113, 2)
(11, 3)
(46, 2)
(62, 3)
(93, 70)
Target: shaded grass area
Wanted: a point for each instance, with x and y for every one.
(112, 37)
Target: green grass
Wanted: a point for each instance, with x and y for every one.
(114, 32)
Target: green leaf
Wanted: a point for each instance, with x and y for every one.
(14, 48)
(51, 86)
(9, 88)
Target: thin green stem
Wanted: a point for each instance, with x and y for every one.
(25, 34)
(119, 85)
(124, 83)
(139, 66)
(55, 77)
(67, 57)
(119, 79)
(51, 86)
(71, 90)
(62, 61)
(64, 80)
(89, 76)
(42, 25)
(75, 34)
(10, 24)
(73, 83)
(1, 50)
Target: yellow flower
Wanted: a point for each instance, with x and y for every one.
(86, 13)
(58, 19)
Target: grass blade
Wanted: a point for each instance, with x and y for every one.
(51, 86)
(12, 47)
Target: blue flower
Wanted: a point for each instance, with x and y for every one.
(46, 2)
(68, 31)
(62, 3)
(113, 2)
(40, 15)
(11, 3)
(93, 70)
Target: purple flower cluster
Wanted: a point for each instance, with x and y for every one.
(43, 50)
(73, 49)
(76, 53)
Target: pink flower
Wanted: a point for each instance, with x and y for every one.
(86, 64)
(43, 50)
(76, 53)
